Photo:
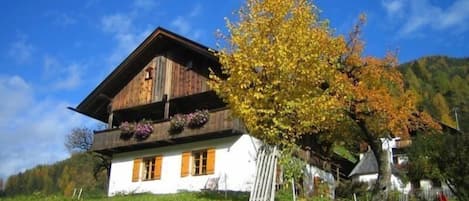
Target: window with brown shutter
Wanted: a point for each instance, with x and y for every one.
(150, 170)
(203, 162)
(199, 162)
(211, 161)
(158, 164)
(185, 161)
(136, 170)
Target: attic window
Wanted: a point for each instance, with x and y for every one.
(148, 73)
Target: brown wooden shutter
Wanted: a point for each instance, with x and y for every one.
(158, 164)
(136, 170)
(211, 161)
(186, 156)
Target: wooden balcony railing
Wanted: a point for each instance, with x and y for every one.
(220, 124)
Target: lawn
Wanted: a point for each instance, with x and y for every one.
(143, 197)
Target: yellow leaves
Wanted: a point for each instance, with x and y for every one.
(279, 58)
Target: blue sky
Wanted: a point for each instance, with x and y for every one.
(54, 53)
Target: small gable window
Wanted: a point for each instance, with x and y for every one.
(148, 73)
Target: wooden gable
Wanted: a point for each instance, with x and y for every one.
(138, 91)
(163, 67)
(162, 79)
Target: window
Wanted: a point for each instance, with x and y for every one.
(147, 168)
(200, 162)
(148, 73)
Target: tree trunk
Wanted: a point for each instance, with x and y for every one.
(383, 183)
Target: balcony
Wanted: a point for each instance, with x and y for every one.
(220, 124)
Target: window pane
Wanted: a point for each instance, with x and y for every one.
(199, 162)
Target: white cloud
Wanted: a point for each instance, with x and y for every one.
(15, 93)
(183, 24)
(117, 23)
(61, 76)
(21, 51)
(457, 15)
(32, 130)
(70, 79)
(51, 64)
(421, 14)
(124, 32)
(393, 7)
(196, 10)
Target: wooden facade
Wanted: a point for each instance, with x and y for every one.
(161, 78)
(165, 75)
(137, 92)
(186, 81)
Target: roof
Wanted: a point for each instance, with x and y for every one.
(368, 165)
(95, 105)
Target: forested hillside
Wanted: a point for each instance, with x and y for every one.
(442, 86)
(61, 178)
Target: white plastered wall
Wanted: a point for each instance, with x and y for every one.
(234, 166)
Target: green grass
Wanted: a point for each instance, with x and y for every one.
(190, 196)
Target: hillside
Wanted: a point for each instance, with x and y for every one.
(60, 178)
(442, 85)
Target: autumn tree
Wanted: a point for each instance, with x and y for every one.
(287, 76)
(379, 104)
(281, 65)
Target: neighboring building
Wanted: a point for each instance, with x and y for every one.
(366, 170)
(164, 76)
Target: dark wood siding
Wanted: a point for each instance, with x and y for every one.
(168, 77)
(186, 81)
(159, 78)
(137, 92)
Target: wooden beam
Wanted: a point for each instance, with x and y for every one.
(110, 120)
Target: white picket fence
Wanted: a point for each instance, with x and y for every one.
(263, 188)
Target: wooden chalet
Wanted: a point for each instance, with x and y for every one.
(165, 75)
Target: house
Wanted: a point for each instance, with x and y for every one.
(162, 79)
(366, 170)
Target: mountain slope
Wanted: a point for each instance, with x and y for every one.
(60, 178)
(442, 85)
